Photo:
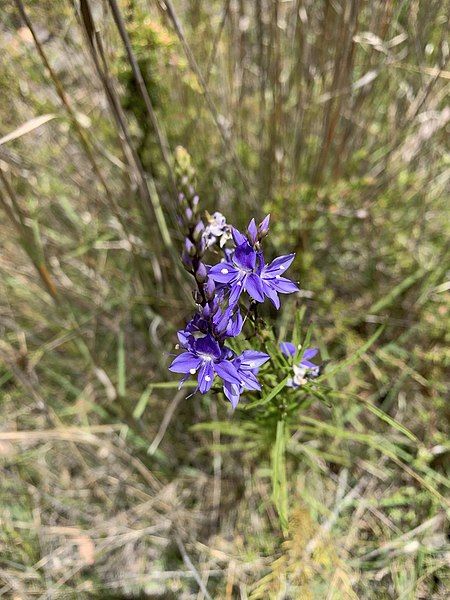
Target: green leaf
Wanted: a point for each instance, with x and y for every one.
(297, 333)
(274, 392)
(396, 292)
(142, 403)
(173, 384)
(354, 357)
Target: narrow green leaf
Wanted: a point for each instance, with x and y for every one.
(396, 292)
(354, 357)
(274, 392)
(173, 384)
(142, 403)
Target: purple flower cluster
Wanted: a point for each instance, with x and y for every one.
(220, 289)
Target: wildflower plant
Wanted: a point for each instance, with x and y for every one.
(226, 294)
(226, 346)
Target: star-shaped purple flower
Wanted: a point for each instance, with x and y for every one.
(247, 365)
(247, 271)
(205, 358)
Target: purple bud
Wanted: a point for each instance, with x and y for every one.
(263, 227)
(252, 231)
(186, 260)
(188, 214)
(194, 204)
(180, 196)
(210, 289)
(201, 274)
(201, 247)
(198, 231)
(190, 247)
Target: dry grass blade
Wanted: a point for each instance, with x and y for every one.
(27, 127)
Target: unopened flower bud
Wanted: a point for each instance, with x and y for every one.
(190, 247)
(198, 231)
(201, 247)
(252, 231)
(201, 274)
(188, 214)
(186, 260)
(210, 289)
(263, 228)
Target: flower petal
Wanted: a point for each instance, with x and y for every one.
(254, 287)
(235, 324)
(308, 364)
(271, 294)
(223, 272)
(249, 381)
(278, 265)
(232, 392)
(236, 291)
(205, 376)
(245, 257)
(183, 338)
(287, 348)
(282, 285)
(251, 359)
(238, 238)
(227, 372)
(207, 345)
(184, 362)
(310, 353)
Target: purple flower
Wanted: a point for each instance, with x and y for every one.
(205, 358)
(305, 368)
(213, 319)
(273, 281)
(247, 365)
(247, 271)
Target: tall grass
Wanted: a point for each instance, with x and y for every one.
(332, 116)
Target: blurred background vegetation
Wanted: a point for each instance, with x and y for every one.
(333, 116)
